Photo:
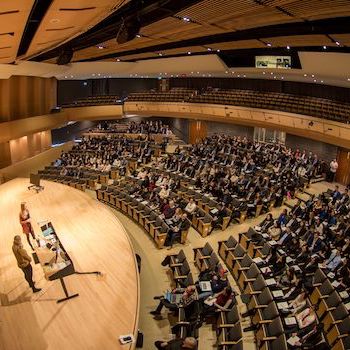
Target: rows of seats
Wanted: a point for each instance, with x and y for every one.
(173, 95)
(228, 325)
(245, 260)
(314, 106)
(94, 101)
(142, 212)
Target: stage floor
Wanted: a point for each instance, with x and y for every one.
(96, 241)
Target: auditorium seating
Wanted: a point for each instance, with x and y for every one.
(173, 95)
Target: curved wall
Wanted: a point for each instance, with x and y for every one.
(314, 128)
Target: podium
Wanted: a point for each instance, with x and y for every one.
(54, 259)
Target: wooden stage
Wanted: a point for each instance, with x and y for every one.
(96, 241)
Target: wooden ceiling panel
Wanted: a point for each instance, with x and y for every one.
(184, 50)
(66, 19)
(264, 16)
(236, 45)
(168, 26)
(299, 40)
(112, 46)
(316, 9)
(13, 18)
(140, 56)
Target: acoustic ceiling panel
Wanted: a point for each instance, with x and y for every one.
(66, 19)
(13, 18)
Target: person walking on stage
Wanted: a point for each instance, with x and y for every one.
(24, 219)
(23, 262)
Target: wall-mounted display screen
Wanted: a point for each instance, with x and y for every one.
(273, 62)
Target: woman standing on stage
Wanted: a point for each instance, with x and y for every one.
(24, 219)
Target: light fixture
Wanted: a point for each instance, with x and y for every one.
(315, 80)
(189, 52)
(118, 59)
(305, 75)
(337, 43)
(218, 50)
(98, 74)
(348, 79)
(138, 35)
(93, 74)
(65, 77)
(160, 54)
(271, 73)
(321, 81)
(264, 73)
(312, 76)
(324, 47)
(209, 49)
(226, 72)
(100, 47)
(268, 44)
(288, 47)
(282, 78)
(238, 76)
(186, 19)
(71, 76)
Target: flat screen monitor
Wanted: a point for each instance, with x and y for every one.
(35, 179)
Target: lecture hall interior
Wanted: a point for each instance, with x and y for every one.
(175, 174)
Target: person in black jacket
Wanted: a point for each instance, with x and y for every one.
(182, 225)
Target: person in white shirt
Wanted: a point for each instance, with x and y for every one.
(333, 167)
(191, 207)
(164, 192)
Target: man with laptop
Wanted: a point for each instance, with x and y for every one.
(179, 297)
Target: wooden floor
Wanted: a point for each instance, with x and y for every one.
(96, 241)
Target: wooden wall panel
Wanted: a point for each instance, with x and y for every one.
(197, 131)
(22, 97)
(5, 155)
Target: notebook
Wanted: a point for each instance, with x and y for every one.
(290, 321)
(205, 286)
(277, 294)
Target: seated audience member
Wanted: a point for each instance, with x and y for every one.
(189, 343)
(298, 303)
(274, 231)
(191, 208)
(188, 295)
(265, 224)
(183, 224)
(217, 302)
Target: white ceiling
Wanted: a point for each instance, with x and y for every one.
(318, 67)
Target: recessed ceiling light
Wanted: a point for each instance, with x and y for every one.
(218, 50)
(271, 73)
(138, 35)
(324, 47)
(118, 59)
(305, 75)
(98, 74)
(71, 76)
(288, 47)
(264, 73)
(209, 49)
(321, 81)
(189, 52)
(191, 72)
(197, 72)
(269, 44)
(100, 47)
(274, 77)
(312, 75)
(226, 72)
(93, 74)
(348, 79)
(315, 80)
(282, 78)
(238, 75)
(244, 75)
(160, 54)
(337, 43)
(67, 77)
(186, 19)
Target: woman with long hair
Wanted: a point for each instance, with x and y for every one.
(25, 221)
